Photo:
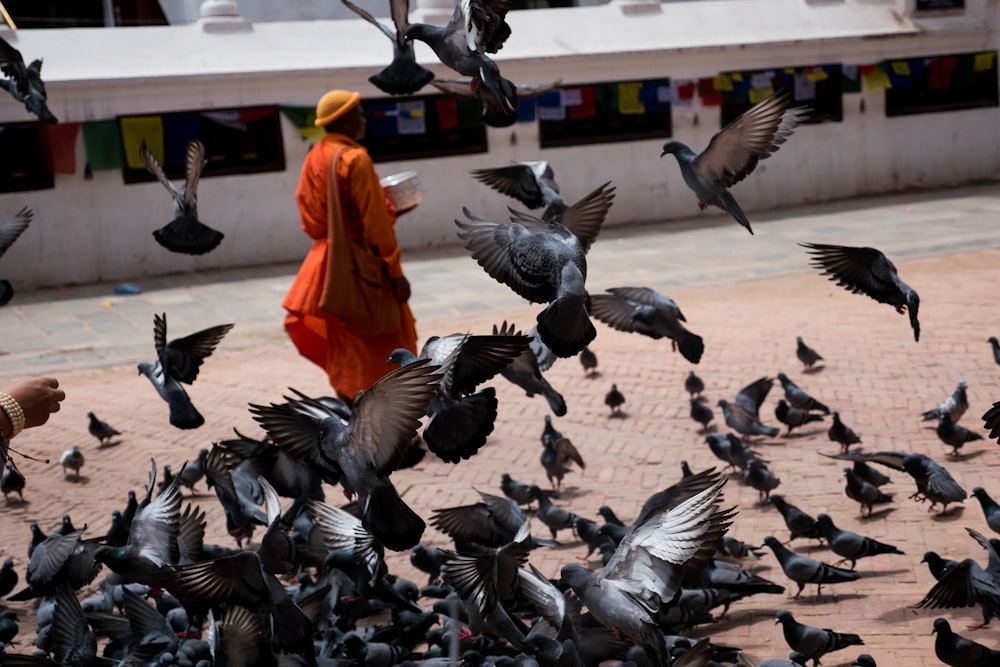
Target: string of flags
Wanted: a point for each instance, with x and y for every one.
(114, 143)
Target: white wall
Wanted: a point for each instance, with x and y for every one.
(100, 229)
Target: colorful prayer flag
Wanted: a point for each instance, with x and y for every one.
(722, 82)
(983, 62)
(303, 119)
(628, 99)
(58, 143)
(102, 142)
(139, 129)
(410, 117)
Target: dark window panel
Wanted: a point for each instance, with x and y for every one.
(945, 83)
(22, 166)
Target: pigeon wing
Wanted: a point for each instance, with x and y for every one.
(482, 357)
(517, 181)
(192, 170)
(619, 313)
(236, 579)
(958, 587)
(735, 150)
(585, 217)
(754, 393)
(184, 356)
(371, 19)
(649, 297)
(156, 526)
(13, 226)
(11, 61)
(470, 523)
(153, 165)
(296, 429)
(991, 419)
(860, 270)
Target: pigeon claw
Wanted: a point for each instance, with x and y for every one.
(978, 626)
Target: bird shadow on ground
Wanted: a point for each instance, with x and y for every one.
(109, 444)
(967, 456)
(618, 415)
(593, 375)
(952, 514)
(80, 479)
(17, 502)
(811, 547)
(740, 617)
(806, 434)
(813, 370)
(882, 573)
(827, 598)
(878, 514)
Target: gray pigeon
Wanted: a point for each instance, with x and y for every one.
(693, 384)
(476, 28)
(544, 262)
(863, 270)
(794, 417)
(954, 406)
(757, 476)
(531, 183)
(492, 523)
(403, 76)
(734, 152)
(615, 399)
(842, 434)
(806, 354)
(752, 396)
(101, 430)
(864, 660)
(958, 651)
(645, 311)
(554, 517)
(361, 453)
(589, 362)
(557, 454)
(954, 435)
(995, 347)
(177, 362)
(804, 570)
(811, 641)
(701, 413)
(991, 419)
(72, 459)
(526, 372)
(991, 510)
(12, 481)
(799, 398)
(745, 423)
(11, 228)
(520, 492)
(863, 492)
(650, 562)
(934, 482)
(184, 234)
(495, 112)
(968, 584)
(24, 83)
(851, 546)
(798, 522)
(795, 659)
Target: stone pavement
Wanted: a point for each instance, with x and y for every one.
(747, 296)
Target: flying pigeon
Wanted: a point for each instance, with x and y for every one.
(496, 113)
(693, 384)
(866, 271)
(101, 430)
(645, 311)
(991, 419)
(11, 228)
(589, 361)
(492, 522)
(954, 435)
(806, 354)
(863, 491)
(185, 233)
(476, 28)
(851, 546)
(676, 538)
(526, 372)
(954, 406)
(811, 641)
(544, 262)
(991, 510)
(794, 417)
(614, 399)
(744, 422)
(24, 83)
(995, 346)
(361, 453)
(958, 651)
(842, 434)
(178, 362)
(403, 76)
(798, 398)
(968, 584)
(531, 183)
(72, 459)
(734, 152)
(804, 570)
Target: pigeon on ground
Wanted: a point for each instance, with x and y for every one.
(8, 577)
(361, 453)
(12, 481)
(851, 546)
(403, 76)
(954, 406)
(806, 354)
(429, 561)
(734, 151)
(798, 398)
(194, 471)
(526, 372)
(752, 396)
(554, 517)
(460, 416)
(589, 361)
(842, 434)
(72, 459)
(557, 453)
(811, 641)
(701, 413)
(863, 270)
(991, 419)
(799, 523)
(744, 422)
(101, 430)
(794, 417)
(864, 492)
(615, 399)
(694, 385)
(991, 510)
(645, 311)
(520, 492)
(544, 262)
(733, 548)
(968, 584)
(11, 228)
(864, 660)
(185, 233)
(649, 564)
(958, 651)
(179, 361)
(954, 435)
(757, 476)
(934, 482)
(476, 28)
(804, 570)
(995, 346)
(24, 83)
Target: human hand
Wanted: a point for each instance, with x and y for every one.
(401, 288)
(38, 398)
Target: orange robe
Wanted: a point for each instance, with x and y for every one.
(352, 361)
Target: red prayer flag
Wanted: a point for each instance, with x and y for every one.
(59, 146)
(710, 97)
(587, 108)
(447, 112)
(685, 91)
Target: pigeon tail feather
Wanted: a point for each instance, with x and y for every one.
(188, 236)
(390, 519)
(691, 346)
(565, 327)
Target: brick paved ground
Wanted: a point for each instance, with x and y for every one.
(876, 376)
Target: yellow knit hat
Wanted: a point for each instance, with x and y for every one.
(333, 105)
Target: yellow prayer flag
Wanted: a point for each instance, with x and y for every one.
(817, 74)
(737, 76)
(628, 99)
(135, 130)
(722, 82)
(983, 61)
(758, 94)
(311, 133)
(901, 67)
(877, 80)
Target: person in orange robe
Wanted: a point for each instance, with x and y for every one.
(352, 361)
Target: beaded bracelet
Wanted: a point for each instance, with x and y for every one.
(14, 413)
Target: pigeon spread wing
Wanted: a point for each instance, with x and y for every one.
(859, 270)
(181, 358)
(153, 165)
(585, 217)
(734, 152)
(485, 26)
(195, 162)
(649, 297)
(618, 312)
(371, 19)
(12, 227)
(516, 181)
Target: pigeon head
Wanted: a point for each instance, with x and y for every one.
(979, 492)
(782, 616)
(677, 148)
(941, 625)
(962, 384)
(783, 378)
(575, 576)
(401, 356)
(772, 541)
(7, 564)
(824, 520)
(864, 660)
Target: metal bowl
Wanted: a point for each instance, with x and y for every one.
(403, 189)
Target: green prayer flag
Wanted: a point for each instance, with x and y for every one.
(470, 112)
(303, 119)
(102, 142)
